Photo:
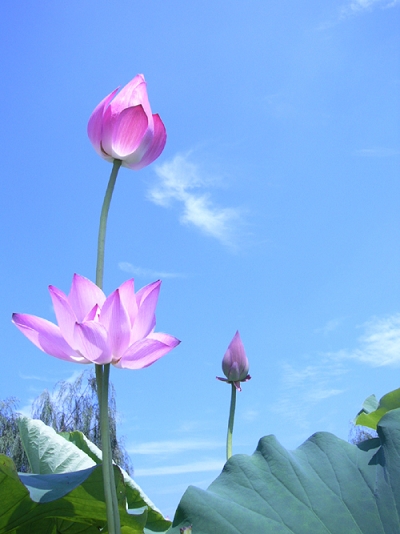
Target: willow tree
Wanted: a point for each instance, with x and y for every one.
(10, 441)
(72, 405)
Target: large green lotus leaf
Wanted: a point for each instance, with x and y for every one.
(49, 452)
(84, 444)
(135, 496)
(371, 417)
(325, 486)
(70, 502)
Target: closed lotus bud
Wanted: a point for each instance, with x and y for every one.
(235, 364)
(123, 127)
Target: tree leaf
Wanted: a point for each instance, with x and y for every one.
(325, 486)
(371, 418)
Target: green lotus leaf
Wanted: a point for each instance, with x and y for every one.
(369, 405)
(325, 486)
(69, 502)
(372, 410)
(136, 498)
(49, 452)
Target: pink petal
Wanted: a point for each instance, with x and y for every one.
(132, 94)
(95, 124)
(91, 316)
(235, 364)
(128, 135)
(145, 352)
(66, 318)
(46, 336)
(128, 299)
(83, 296)
(154, 149)
(115, 319)
(91, 342)
(145, 321)
(145, 291)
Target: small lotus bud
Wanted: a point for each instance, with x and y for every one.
(235, 364)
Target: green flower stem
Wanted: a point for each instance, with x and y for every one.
(113, 519)
(103, 372)
(103, 223)
(230, 423)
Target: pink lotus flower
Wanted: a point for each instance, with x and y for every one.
(235, 364)
(124, 127)
(91, 328)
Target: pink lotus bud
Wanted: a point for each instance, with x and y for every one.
(235, 364)
(123, 127)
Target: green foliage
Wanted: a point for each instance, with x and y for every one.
(326, 485)
(71, 503)
(10, 441)
(359, 433)
(50, 453)
(136, 498)
(71, 406)
(369, 405)
(372, 410)
(74, 406)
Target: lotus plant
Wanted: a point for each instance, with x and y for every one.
(124, 131)
(122, 127)
(235, 366)
(91, 328)
(118, 329)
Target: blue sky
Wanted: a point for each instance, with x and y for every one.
(274, 209)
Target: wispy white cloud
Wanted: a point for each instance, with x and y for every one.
(194, 467)
(181, 181)
(322, 394)
(250, 415)
(36, 377)
(378, 152)
(379, 345)
(148, 273)
(329, 326)
(173, 447)
(53, 380)
(358, 6)
(320, 373)
(352, 8)
(303, 388)
(193, 427)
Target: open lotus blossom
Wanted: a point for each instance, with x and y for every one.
(91, 328)
(235, 364)
(123, 127)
